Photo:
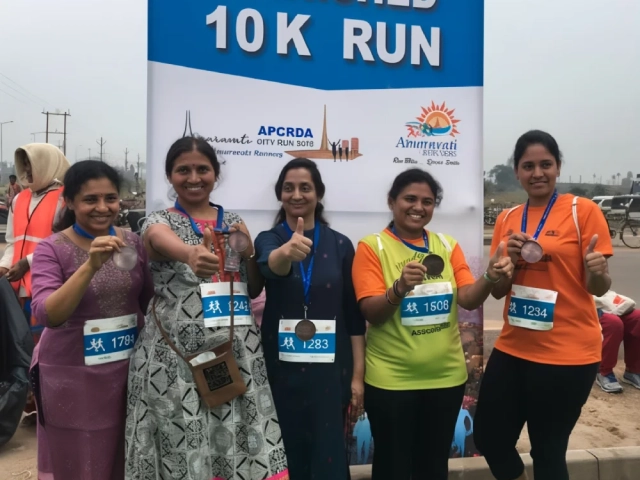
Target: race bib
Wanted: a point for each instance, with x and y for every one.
(216, 304)
(427, 304)
(532, 308)
(110, 339)
(299, 343)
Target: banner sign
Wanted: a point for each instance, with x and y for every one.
(365, 88)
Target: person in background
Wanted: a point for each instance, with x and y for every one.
(78, 290)
(546, 358)
(32, 213)
(171, 432)
(618, 328)
(312, 329)
(13, 189)
(409, 282)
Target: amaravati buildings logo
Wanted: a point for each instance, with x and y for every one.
(434, 121)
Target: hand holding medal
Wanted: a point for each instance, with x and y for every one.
(412, 275)
(595, 262)
(531, 251)
(101, 250)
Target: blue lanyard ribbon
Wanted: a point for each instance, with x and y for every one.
(83, 233)
(415, 248)
(306, 276)
(543, 220)
(194, 225)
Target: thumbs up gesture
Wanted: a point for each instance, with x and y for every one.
(500, 265)
(202, 260)
(595, 262)
(297, 249)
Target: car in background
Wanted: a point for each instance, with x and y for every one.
(604, 202)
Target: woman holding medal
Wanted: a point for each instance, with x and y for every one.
(312, 330)
(546, 358)
(409, 282)
(91, 285)
(171, 429)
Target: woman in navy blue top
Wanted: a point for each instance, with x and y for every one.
(312, 328)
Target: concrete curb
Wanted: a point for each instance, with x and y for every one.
(621, 463)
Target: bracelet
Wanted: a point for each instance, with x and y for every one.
(386, 294)
(488, 279)
(395, 290)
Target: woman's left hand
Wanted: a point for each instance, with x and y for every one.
(500, 266)
(242, 227)
(357, 398)
(18, 270)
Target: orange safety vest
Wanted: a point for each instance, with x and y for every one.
(30, 230)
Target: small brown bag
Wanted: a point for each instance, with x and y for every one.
(219, 380)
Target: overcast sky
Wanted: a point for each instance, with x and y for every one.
(569, 67)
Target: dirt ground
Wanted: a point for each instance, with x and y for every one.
(607, 421)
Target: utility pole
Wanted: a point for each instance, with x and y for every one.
(138, 176)
(64, 133)
(101, 143)
(126, 162)
(1, 125)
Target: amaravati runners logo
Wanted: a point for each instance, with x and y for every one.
(434, 121)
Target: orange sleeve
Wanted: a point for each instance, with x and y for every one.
(497, 233)
(592, 222)
(461, 270)
(368, 279)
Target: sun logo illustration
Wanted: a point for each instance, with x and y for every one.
(434, 121)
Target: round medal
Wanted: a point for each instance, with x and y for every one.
(305, 330)
(238, 241)
(531, 251)
(434, 264)
(126, 259)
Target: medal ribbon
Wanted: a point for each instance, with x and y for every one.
(415, 248)
(543, 220)
(306, 276)
(83, 233)
(194, 225)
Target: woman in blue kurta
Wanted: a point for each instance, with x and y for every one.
(312, 329)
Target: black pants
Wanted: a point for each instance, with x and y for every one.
(549, 398)
(412, 431)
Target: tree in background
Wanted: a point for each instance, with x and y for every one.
(598, 191)
(504, 178)
(579, 191)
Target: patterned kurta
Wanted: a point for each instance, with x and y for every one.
(170, 432)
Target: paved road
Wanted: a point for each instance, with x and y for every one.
(624, 269)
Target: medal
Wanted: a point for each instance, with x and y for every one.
(531, 251)
(305, 330)
(238, 241)
(434, 264)
(126, 259)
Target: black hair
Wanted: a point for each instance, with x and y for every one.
(415, 175)
(189, 144)
(78, 174)
(13, 177)
(316, 178)
(536, 137)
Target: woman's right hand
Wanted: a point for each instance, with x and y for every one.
(412, 275)
(202, 261)
(514, 245)
(297, 249)
(101, 250)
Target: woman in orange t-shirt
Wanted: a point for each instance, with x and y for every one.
(546, 358)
